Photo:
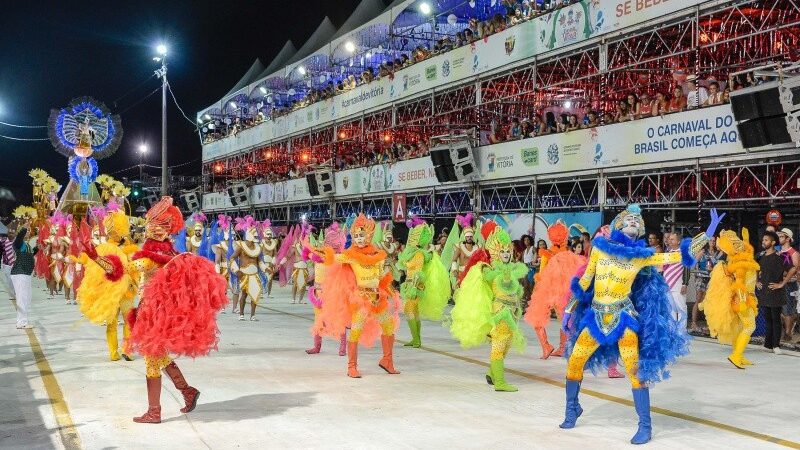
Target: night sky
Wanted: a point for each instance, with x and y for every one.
(53, 52)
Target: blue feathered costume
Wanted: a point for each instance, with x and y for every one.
(621, 310)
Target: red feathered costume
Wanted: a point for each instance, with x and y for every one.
(180, 298)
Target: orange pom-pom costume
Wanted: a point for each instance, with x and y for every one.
(359, 294)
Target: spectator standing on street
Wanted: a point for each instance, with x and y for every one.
(770, 290)
(8, 258)
(677, 277)
(709, 258)
(21, 276)
(792, 257)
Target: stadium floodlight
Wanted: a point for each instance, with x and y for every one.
(568, 104)
(207, 117)
(233, 105)
(302, 70)
(349, 46)
(425, 8)
(262, 89)
(162, 49)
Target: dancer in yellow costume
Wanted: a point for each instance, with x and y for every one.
(106, 292)
(730, 305)
(621, 310)
(488, 303)
(358, 294)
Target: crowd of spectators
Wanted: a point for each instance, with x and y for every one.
(516, 11)
(692, 94)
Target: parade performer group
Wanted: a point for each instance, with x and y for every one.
(613, 306)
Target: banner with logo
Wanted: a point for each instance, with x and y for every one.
(693, 134)
(565, 26)
(400, 176)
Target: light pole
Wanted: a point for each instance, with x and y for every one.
(142, 151)
(162, 73)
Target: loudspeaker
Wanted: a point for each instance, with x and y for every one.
(238, 195)
(190, 201)
(453, 160)
(767, 114)
(313, 189)
(321, 183)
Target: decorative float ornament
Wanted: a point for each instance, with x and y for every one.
(23, 212)
(84, 131)
(774, 217)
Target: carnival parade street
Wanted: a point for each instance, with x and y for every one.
(400, 224)
(263, 390)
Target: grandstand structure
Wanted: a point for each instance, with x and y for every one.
(584, 56)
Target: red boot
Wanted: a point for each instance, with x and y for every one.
(190, 394)
(153, 414)
(386, 363)
(343, 345)
(317, 345)
(547, 349)
(352, 360)
(561, 345)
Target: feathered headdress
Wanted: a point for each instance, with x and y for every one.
(363, 224)
(335, 237)
(163, 217)
(264, 228)
(632, 210)
(245, 223)
(465, 222)
(414, 221)
(25, 212)
(558, 233)
(199, 217)
(224, 222)
(498, 240)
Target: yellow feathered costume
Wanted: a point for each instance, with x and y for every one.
(730, 305)
(101, 299)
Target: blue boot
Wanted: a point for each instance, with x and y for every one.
(641, 401)
(573, 409)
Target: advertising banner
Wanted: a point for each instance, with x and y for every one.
(686, 135)
(402, 175)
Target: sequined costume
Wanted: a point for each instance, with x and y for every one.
(110, 280)
(246, 258)
(195, 242)
(621, 310)
(223, 250)
(488, 303)
(180, 298)
(551, 290)
(321, 251)
(269, 249)
(730, 304)
(426, 288)
(358, 293)
(460, 247)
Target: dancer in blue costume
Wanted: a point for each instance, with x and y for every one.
(621, 310)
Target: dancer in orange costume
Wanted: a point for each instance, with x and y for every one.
(360, 295)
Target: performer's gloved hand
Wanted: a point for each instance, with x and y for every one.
(86, 241)
(565, 322)
(715, 221)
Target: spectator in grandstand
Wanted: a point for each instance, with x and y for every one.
(469, 36)
(726, 95)
(473, 30)
(398, 64)
(367, 76)
(383, 71)
(496, 134)
(499, 23)
(645, 106)
(623, 113)
(697, 94)
(447, 44)
(678, 101)
(714, 95)
(514, 129)
(527, 128)
(634, 106)
(607, 118)
(517, 18)
(405, 60)
(563, 121)
(537, 126)
(550, 125)
(660, 105)
(591, 120)
(460, 39)
(510, 6)
(572, 123)
(421, 53)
